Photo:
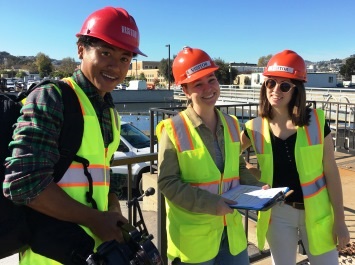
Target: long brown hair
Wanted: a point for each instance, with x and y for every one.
(297, 109)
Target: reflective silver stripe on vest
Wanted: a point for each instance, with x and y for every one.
(258, 137)
(313, 188)
(313, 131)
(74, 176)
(115, 114)
(232, 128)
(182, 133)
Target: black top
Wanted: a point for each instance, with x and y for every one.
(285, 170)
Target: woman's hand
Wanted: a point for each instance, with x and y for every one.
(223, 207)
(340, 234)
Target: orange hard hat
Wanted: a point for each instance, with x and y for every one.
(287, 64)
(114, 26)
(191, 64)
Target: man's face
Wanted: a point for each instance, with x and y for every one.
(104, 65)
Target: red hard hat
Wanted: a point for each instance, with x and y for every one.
(287, 64)
(114, 26)
(191, 64)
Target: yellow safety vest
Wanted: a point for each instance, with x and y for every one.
(74, 182)
(196, 237)
(319, 216)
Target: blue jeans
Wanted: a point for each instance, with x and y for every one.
(224, 257)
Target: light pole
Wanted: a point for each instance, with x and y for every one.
(136, 68)
(230, 73)
(168, 45)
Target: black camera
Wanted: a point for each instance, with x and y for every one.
(138, 248)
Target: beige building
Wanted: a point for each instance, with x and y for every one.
(150, 70)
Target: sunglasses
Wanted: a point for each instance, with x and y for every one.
(284, 85)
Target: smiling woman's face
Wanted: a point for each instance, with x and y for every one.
(203, 92)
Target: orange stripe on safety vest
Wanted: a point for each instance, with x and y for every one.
(78, 165)
(80, 184)
(231, 179)
(205, 183)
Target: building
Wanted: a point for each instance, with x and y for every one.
(323, 80)
(150, 69)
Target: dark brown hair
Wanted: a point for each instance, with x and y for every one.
(297, 109)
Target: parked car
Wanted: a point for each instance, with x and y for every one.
(121, 87)
(133, 142)
(10, 85)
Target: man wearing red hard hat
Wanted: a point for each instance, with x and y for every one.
(107, 42)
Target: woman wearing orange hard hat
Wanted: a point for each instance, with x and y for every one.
(294, 148)
(199, 161)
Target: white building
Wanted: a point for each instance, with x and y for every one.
(321, 80)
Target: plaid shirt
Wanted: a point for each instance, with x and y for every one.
(35, 146)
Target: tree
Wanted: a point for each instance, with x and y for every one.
(44, 65)
(156, 81)
(263, 60)
(142, 77)
(163, 69)
(21, 74)
(223, 74)
(67, 66)
(348, 69)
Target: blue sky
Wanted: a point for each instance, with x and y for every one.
(233, 30)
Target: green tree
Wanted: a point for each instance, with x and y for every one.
(21, 74)
(225, 73)
(67, 66)
(164, 70)
(142, 77)
(263, 60)
(44, 65)
(348, 69)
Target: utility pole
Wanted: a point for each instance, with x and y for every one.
(168, 45)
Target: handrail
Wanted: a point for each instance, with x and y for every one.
(129, 161)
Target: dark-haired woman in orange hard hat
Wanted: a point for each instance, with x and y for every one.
(294, 148)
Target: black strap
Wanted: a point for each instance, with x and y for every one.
(72, 130)
(85, 163)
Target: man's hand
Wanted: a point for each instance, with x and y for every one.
(106, 226)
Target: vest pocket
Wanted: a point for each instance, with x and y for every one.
(236, 233)
(197, 160)
(320, 235)
(311, 159)
(199, 243)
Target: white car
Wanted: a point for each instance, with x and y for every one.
(133, 142)
(121, 87)
(10, 85)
